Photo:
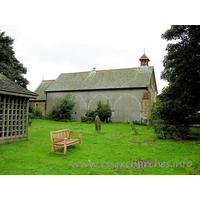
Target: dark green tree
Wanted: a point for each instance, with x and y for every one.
(9, 65)
(63, 109)
(181, 99)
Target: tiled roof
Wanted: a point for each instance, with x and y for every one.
(103, 79)
(144, 57)
(40, 90)
(7, 85)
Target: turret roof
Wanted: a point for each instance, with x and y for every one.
(144, 57)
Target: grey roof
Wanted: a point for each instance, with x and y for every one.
(9, 86)
(41, 89)
(103, 79)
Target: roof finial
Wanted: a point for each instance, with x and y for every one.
(144, 50)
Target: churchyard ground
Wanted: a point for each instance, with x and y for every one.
(115, 150)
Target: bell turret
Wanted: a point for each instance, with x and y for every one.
(144, 61)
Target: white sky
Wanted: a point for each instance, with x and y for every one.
(73, 36)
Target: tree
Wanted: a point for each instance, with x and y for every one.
(63, 109)
(9, 65)
(180, 100)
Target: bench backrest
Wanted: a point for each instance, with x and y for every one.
(60, 134)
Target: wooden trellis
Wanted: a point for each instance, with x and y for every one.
(13, 117)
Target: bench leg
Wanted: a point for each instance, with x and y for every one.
(65, 149)
(80, 144)
(53, 149)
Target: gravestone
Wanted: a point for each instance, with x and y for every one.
(97, 123)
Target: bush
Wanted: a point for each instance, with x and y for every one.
(37, 111)
(157, 122)
(89, 116)
(62, 110)
(83, 118)
(103, 111)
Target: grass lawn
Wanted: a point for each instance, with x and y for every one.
(113, 150)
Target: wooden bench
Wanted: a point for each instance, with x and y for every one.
(63, 139)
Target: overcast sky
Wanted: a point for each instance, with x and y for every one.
(76, 36)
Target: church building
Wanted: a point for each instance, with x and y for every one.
(40, 91)
(129, 91)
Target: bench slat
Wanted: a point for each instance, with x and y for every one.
(70, 141)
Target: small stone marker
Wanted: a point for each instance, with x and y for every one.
(132, 125)
(97, 123)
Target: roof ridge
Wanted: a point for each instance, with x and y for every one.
(48, 80)
(117, 69)
(103, 70)
(75, 72)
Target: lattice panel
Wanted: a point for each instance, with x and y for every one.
(13, 117)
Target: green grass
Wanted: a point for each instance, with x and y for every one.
(115, 143)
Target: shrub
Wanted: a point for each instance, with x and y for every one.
(37, 111)
(62, 110)
(102, 110)
(90, 115)
(83, 118)
(156, 121)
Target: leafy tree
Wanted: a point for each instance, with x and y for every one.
(63, 109)
(9, 65)
(180, 100)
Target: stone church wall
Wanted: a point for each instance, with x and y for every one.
(126, 104)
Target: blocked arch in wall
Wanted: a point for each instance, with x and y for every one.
(93, 102)
(80, 106)
(127, 107)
